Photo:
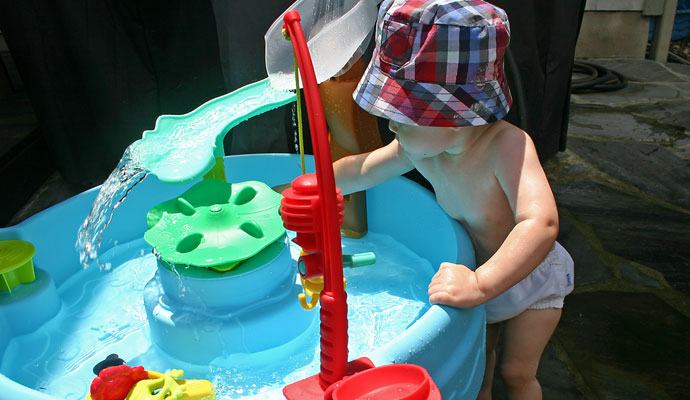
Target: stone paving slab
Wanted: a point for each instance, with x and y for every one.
(669, 115)
(623, 190)
(592, 266)
(643, 167)
(615, 124)
(683, 147)
(627, 345)
(682, 70)
(637, 93)
(631, 227)
(555, 375)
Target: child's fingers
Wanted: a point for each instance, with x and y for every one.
(434, 287)
(438, 284)
(436, 279)
(439, 291)
(439, 297)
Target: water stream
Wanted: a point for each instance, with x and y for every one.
(113, 192)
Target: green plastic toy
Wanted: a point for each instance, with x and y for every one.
(184, 148)
(358, 260)
(215, 224)
(16, 263)
(258, 260)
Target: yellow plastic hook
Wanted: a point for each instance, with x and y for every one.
(312, 288)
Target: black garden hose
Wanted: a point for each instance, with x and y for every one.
(596, 79)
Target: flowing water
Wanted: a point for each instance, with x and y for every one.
(112, 193)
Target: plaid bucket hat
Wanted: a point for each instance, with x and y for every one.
(438, 63)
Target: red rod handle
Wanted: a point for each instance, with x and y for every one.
(333, 297)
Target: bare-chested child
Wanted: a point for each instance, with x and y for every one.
(437, 75)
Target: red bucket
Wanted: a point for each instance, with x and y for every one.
(388, 382)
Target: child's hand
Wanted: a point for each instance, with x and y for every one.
(455, 285)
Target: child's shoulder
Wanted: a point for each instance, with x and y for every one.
(504, 130)
(508, 138)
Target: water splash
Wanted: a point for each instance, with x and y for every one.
(112, 193)
(180, 284)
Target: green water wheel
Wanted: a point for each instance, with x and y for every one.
(215, 224)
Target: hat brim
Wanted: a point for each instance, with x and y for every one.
(432, 104)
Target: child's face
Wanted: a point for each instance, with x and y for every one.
(422, 141)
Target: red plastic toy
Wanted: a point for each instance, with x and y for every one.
(114, 383)
(301, 213)
(313, 207)
(387, 382)
(325, 211)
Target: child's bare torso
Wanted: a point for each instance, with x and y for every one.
(467, 189)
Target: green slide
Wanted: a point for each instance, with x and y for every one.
(184, 148)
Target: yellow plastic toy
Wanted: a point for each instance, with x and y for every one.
(167, 386)
(312, 288)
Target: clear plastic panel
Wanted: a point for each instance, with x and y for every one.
(336, 32)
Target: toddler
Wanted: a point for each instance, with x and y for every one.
(437, 76)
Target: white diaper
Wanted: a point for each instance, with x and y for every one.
(544, 288)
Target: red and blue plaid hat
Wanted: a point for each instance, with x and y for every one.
(438, 63)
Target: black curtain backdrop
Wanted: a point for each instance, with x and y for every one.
(99, 72)
(241, 29)
(543, 38)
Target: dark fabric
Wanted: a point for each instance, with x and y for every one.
(543, 38)
(241, 29)
(99, 72)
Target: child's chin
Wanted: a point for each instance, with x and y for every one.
(414, 156)
(421, 156)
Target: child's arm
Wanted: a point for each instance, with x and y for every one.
(521, 177)
(362, 171)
